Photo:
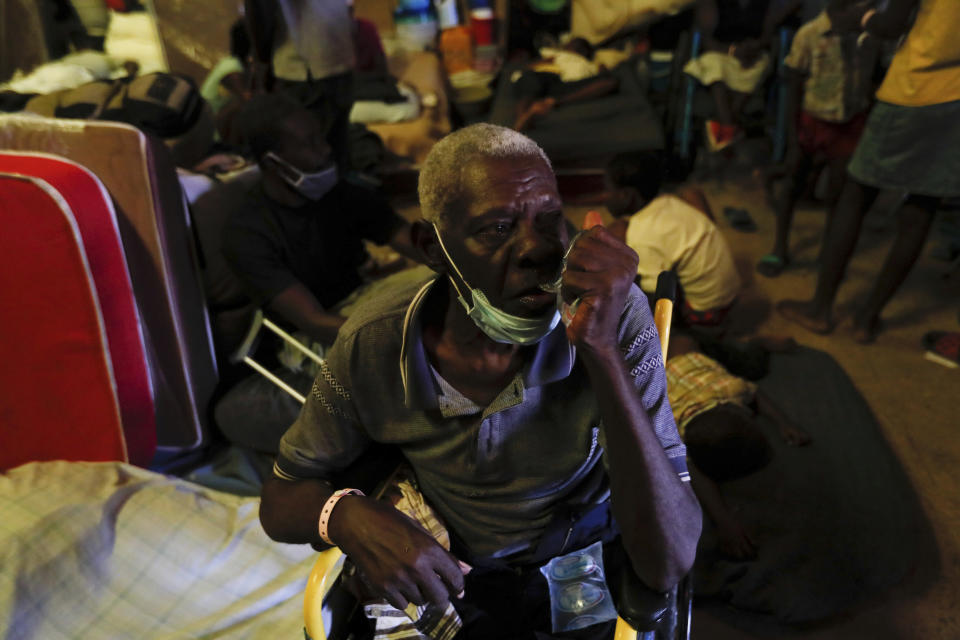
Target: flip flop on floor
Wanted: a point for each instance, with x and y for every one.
(771, 265)
(943, 344)
(740, 219)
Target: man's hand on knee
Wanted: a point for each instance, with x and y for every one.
(396, 557)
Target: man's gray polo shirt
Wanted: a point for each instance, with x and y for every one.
(494, 474)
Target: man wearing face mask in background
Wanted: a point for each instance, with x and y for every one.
(296, 246)
(530, 437)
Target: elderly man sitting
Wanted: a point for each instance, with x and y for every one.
(529, 437)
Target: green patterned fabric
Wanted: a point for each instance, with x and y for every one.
(108, 550)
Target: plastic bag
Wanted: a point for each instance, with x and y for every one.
(579, 596)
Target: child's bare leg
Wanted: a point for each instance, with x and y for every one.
(722, 101)
(775, 344)
(793, 188)
(735, 540)
(791, 433)
(839, 241)
(836, 177)
(914, 220)
(737, 100)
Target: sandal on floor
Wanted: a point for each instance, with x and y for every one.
(771, 265)
(740, 219)
(944, 345)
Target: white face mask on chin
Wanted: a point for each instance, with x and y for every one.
(497, 324)
(311, 186)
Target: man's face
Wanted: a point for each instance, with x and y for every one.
(509, 234)
(303, 143)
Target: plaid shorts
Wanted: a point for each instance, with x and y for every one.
(832, 139)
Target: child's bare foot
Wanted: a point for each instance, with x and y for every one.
(776, 344)
(803, 314)
(772, 265)
(794, 436)
(866, 331)
(734, 540)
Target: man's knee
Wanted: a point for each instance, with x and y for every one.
(256, 412)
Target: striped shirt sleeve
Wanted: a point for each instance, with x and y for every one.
(640, 346)
(326, 437)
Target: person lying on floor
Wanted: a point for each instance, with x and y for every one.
(736, 36)
(297, 248)
(717, 413)
(564, 76)
(672, 232)
(530, 438)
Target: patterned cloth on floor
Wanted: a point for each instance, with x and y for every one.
(108, 550)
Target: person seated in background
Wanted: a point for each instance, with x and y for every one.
(736, 36)
(531, 439)
(830, 73)
(675, 233)
(562, 76)
(297, 248)
(717, 413)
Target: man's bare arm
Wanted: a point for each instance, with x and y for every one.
(893, 22)
(296, 304)
(396, 557)
(261, 19)
(658, 514)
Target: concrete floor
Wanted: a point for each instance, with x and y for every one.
(912, 398)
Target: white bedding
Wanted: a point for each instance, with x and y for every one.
(108, 550)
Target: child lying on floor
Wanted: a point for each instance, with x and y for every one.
(716, 413)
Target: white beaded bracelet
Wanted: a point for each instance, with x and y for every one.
(328, 509)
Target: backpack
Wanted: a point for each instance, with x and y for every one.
(163, 104)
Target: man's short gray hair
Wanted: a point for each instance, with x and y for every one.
(441, 177)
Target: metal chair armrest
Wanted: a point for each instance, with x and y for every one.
(638, 605)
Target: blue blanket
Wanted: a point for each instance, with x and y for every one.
(837, 522)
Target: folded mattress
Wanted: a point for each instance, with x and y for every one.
(75, 382)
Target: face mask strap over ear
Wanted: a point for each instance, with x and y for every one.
(285, 166)
(450, 261)
(312, 186)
